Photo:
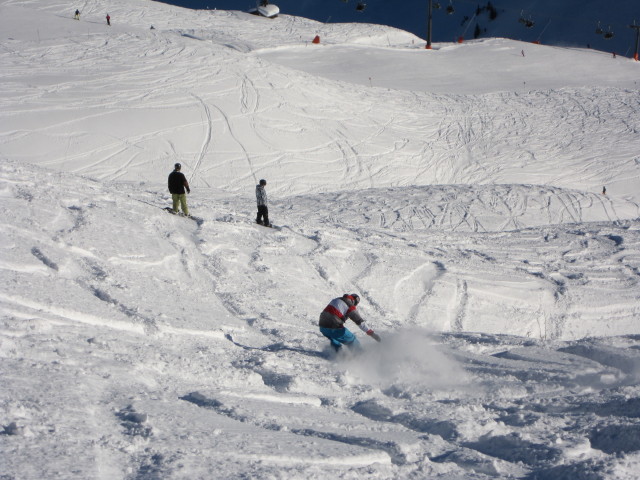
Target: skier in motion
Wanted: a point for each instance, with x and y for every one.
(334, 316)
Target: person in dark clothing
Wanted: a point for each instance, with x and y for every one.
(333, 318)
(77, 15)
(108, 20)
(177, 186)
(263, 210)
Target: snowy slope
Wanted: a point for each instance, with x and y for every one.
(139, 345)
(235, 118)
(136, 344)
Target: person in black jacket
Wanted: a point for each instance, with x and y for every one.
(177, 186)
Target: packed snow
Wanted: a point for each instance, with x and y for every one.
(458, 191)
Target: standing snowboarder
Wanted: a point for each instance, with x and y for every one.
(77, 15)
(108, 20)
(263, 211)
(177, 186)
(334, 316)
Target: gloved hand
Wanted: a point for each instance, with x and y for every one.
(373, 335)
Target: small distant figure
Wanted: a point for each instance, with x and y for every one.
(77, 15)
(614, 54)
(263, 211)
(108, 20)
(177, 186)
(522, 52)
(604, 190)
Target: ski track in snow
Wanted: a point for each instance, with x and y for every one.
(140, 345)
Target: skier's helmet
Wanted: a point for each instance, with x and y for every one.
(353, 296)
(263, 182)
(177, 166)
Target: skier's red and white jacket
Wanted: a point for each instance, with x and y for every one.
(339, 311)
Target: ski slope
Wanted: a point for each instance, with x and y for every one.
(235, 117)
(465, 207)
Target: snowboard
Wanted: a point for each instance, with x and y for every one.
(272, 226)
(198, 220)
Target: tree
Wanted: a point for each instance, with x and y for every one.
(493, 13)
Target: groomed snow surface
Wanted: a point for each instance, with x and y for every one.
(457, 190)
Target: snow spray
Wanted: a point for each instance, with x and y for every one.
(412, 358)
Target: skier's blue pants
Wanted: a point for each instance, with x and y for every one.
(339, 337)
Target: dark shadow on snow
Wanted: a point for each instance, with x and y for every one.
(280, 347)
